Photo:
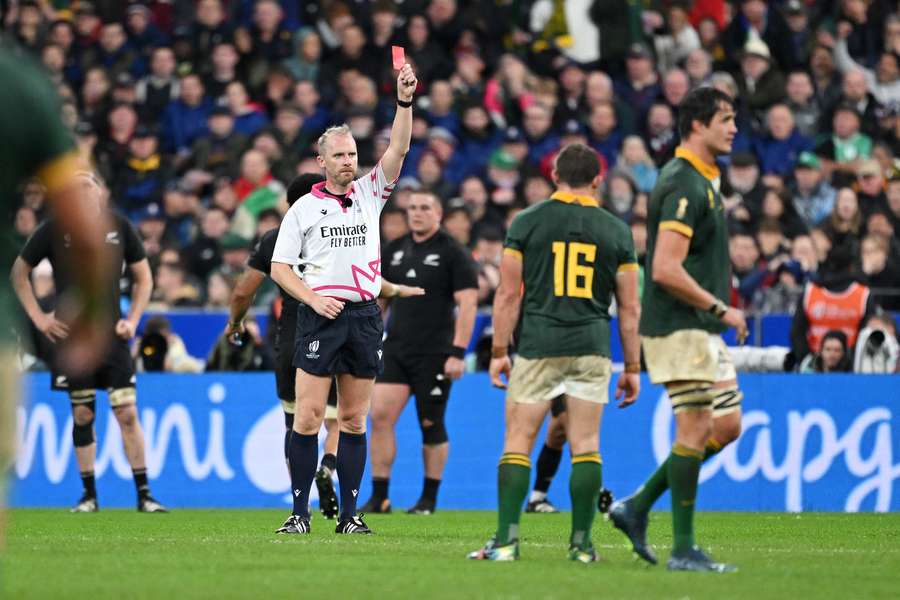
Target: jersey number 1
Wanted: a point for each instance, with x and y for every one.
(571, 277)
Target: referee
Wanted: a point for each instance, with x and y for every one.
(259, 266)
(424, 349)
(328, 257)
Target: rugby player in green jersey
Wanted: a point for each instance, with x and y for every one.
(570, 257)
(684, 310)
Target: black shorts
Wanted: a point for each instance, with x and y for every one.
(424, 374)
(116, 372)
(285, 372)
(351, 343)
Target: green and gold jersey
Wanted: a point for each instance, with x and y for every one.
(571, 251)
(35, 143)
(686, 199)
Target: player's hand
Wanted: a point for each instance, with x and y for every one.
(734, 317)
(627, 389)
(125, 329)
(406, 83)
(327, 307)
(53, 328)
(234, 328)
(454, 368)
(408, 291)
(500, 366)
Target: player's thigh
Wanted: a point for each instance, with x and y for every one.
(583, 425)
(683, 355)
(9, 400)
(523, 422)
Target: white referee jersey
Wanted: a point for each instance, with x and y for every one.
(337, 250)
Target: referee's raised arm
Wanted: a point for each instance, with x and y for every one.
(401, 130)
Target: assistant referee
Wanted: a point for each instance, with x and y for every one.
(425, 346)
(328, 257)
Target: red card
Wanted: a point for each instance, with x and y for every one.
(398, 56)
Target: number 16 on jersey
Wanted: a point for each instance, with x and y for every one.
(573, 271)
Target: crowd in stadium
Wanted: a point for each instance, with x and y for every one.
(198, 114)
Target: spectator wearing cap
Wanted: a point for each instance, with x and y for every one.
(218, 152)
(883, 82)
(306, 61)
(804, 105)
(248, 116)
(209, 29)
(660, 133)
(755, 20)
(640, 86)
(124, 89)
(184, 120)
(846, 145)
(142, 178)
(537, 126)
(503, 177)
(779, 148)
(674, 46)
(742, 177)
(514, 143)
(813, 197)
(802, 35)
(160, 86)
(760, 83)
(143, 34)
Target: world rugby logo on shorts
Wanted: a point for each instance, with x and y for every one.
(313, 349)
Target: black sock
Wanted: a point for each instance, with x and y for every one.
(547, 464)
(87, 480)
(351, 462)
(288, 427)
(430, 489)
(304, 450)
(380, 487)
(329, 461)
(140, 482)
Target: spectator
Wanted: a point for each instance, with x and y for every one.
(248, 116)
(210, 29)
(827, 80)
(761, 84)
(235, 251)
(254, 174)
(160, 87)
(266, 43)
(219, 288)
(204, 253)
(779, 148)
(430, 59)
(679, 41)
(247, 355)
(846, 145)
(315, 117)
(813, 197)
(699, 67)
(836, 302)
(172, 289)
(757, 22)
(803, 103)
(603, 135)
(393, 224)
(458, 223)
(744, 181)
(143, 34)
(144, 175)
(870, 187)
(883, 82)
(305, 63)
(778, 208)
(744, 254)
(845, 220)
(619, 194)
(882, 274)
(222, 71)
(782, 296)
(161, 349)
(834, 356)
(114, 54)
(640, 87)
(803, 250)
(184, 120)
(661, 136)
(537, 188)
(855, 93)
(675, 87)
(537, 125)
(112, 154)
(800, 31)
(877, 350)
(218, 152)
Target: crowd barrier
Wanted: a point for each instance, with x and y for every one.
(810, 443)
(200, 329)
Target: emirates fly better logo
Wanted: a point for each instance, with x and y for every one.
(313, 350)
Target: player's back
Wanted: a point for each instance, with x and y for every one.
(571, 251)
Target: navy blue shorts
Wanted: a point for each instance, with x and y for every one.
(351, 343)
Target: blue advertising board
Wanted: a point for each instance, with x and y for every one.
(810, 443)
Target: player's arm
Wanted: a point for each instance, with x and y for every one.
(141, 289)
(401, 130)
(47, 324)
(395, 290)
(629, 311)
(466, 310)
(672, 247)
(241, 298)
(507, 303)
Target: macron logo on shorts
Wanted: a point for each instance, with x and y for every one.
(313, 350)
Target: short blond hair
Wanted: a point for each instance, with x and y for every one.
(331, 132)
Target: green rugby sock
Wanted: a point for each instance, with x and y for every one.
(513, 479)
(584, 487)
(658, 483)
(684, 472)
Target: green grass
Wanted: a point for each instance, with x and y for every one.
(234, 554)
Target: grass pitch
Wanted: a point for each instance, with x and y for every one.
(235, 554)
